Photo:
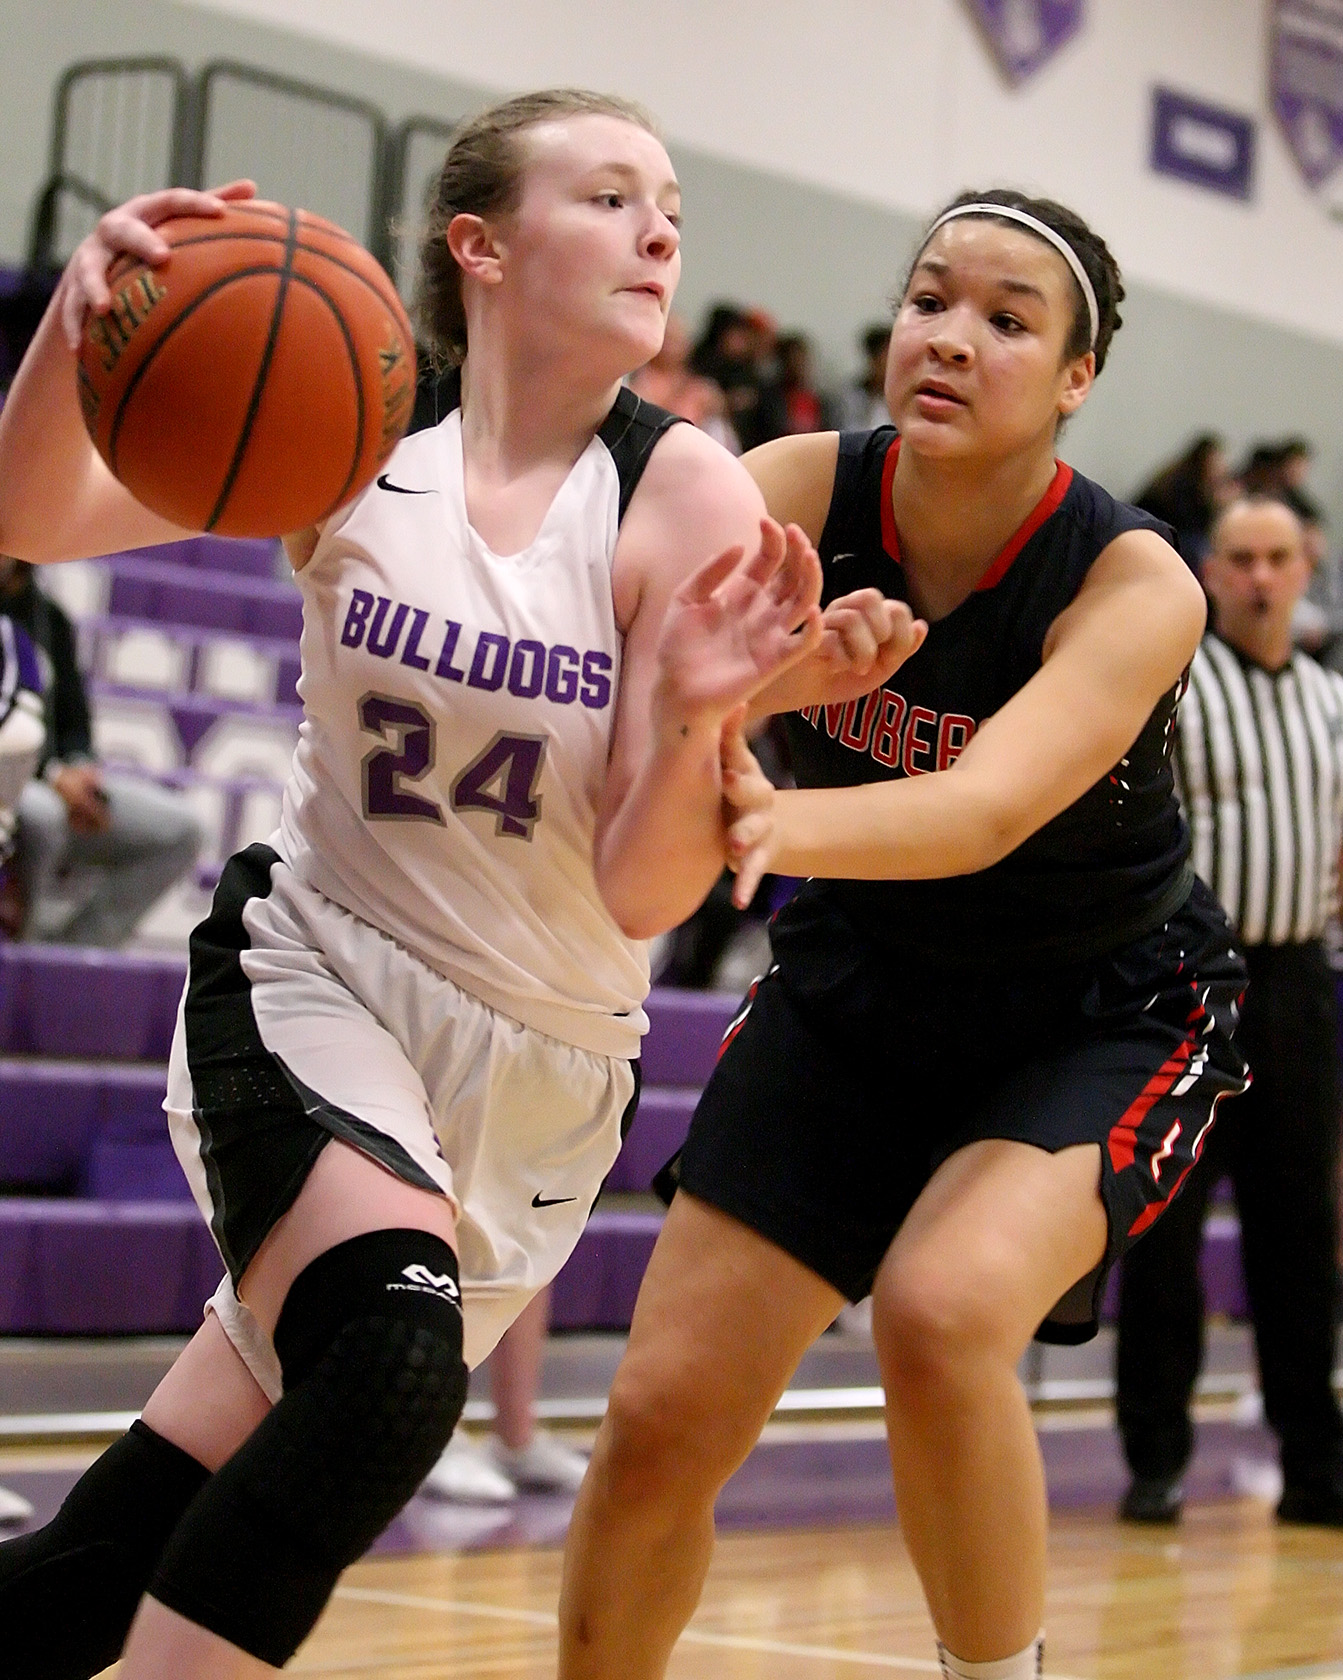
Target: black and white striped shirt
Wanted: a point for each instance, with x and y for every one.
(1259, 771)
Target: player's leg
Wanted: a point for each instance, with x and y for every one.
(357, 1287)
(69, 1591)
(722, 1319)
(1159, 1347)
(1002, 1232)
(531, 1457)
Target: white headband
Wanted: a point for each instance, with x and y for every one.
(1046, 233)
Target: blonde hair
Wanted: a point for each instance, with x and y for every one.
(482, 176)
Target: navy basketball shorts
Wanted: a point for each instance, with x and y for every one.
(831, 1106)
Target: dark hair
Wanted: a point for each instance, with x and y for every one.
(1088, 247)
(482, 176)
(1179, 493)
(874, 338)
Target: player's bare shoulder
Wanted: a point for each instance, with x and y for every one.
(796, 476)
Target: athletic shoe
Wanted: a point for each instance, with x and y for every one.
(544, 1465)
(1153, 1499)
(1321, 1507)
(14, 1508)
(468, 1475)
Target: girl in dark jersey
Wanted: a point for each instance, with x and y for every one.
(997, 1024)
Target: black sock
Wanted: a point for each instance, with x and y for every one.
(69, 1592)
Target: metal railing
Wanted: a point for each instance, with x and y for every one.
(414, 160)
(118, 127)
(131, 125)
(306, 145)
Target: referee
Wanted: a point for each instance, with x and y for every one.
(1259, 767)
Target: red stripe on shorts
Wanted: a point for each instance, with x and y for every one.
(1124, 1133)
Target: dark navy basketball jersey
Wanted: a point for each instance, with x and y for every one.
(1110, 867)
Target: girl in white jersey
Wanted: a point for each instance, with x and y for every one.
(404, 1054)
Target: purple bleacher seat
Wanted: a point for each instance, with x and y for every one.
(63, 1000)
(241, 556)
(53, 1114)
(161, 590)
(100, 631)
(194, 714)
(80, 1268)
(596, 1289)
(658, 1132)
(685, 1032)
(125, 1169)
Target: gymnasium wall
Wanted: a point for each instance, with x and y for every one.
(813, 140)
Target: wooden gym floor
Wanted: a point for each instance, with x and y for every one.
(1227, 1594)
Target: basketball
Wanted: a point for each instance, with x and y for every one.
(256, 380)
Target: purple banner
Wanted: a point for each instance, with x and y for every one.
(1201, 143)
(1024, 34)
(1307, 76)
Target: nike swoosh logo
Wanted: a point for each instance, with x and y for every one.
(540, 1201)
(385, 483)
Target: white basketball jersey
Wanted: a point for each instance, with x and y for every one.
(458, 712)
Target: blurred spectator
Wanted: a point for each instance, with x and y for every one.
(22, 733)
(862, 403)
(735, 351)
(139, 838)
(669, 382)
(805, 410)
(1188, 493)
(1258, 761)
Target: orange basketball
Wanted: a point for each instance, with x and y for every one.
(256, 380)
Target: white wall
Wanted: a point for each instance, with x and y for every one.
(897, 102)
(787, 140)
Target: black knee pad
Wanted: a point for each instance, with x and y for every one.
(69, 1592)
(370, 1344)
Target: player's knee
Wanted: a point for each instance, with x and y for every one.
(932, 1324)
(664, 1438)
(370, 1343)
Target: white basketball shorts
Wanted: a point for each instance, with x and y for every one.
(300, 1023)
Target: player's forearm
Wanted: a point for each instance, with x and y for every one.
(921, 828)
(662, 849)
(802, 685)
(45, 452)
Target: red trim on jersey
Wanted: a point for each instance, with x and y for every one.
(1124, 1133)
(889, 540)
(1048, 504)
(735, 1025)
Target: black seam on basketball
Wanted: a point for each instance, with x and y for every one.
(185, 315)
(259, 383)
(361, 408)
(251, 273)
(262, 235)
(309, 250)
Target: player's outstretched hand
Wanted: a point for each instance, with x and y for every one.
(866, 639)
(738, 623)
(748, 810)
(131, 228)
